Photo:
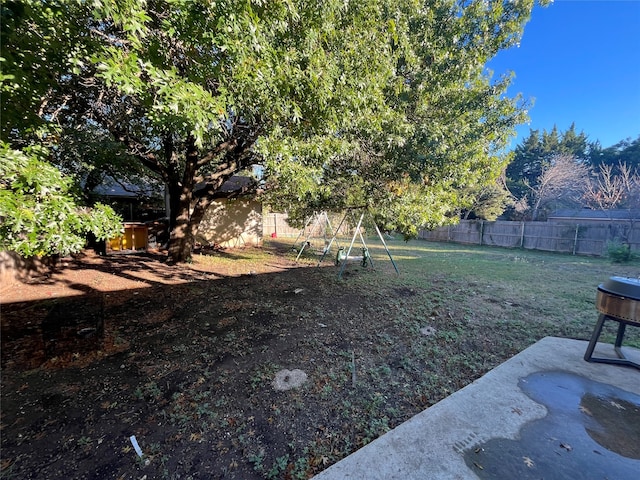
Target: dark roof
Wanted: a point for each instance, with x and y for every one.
(235, 185)
(110, 188)
(587, 214)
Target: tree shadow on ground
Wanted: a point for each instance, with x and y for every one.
(185, 367)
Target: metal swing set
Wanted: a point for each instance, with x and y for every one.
(321, 224)
(344, 256)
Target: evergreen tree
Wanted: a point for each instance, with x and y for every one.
(551, 142)
(574, 144)
(624, 152)
(526, 165)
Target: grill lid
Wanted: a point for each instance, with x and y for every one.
(622, 286)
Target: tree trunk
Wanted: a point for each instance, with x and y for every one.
(536, 208)
(185, 216)
(180, 241)
(180, 196)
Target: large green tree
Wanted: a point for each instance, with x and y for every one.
(419, 170)
(374, 103)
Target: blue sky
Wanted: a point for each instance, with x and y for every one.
(580, 61)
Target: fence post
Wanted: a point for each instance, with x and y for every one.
(522, 236)
(481, 230)
(575, 239)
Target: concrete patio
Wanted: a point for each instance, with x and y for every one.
(545, 413)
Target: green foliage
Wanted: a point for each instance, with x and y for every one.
(383, 103)
(620, 252)
(488, 202)
(42, 45)
(624, 152)
(39, 213)
(536, 151)
(410, 206)
(534, 157)
(611, 182)
(438, 127)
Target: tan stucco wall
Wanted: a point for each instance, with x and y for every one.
(231, 223)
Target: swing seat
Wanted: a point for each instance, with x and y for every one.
(341, 256)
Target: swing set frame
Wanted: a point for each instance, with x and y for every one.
(342, 257)
(317, 223)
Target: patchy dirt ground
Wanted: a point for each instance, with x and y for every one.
(184, 358)
(88, 273)
(190, 360)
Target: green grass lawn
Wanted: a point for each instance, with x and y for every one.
(527, 294)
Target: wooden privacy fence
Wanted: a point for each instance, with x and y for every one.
(587, 239)
(276, 223)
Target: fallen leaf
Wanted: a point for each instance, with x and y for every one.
(528, 462)
(586, 411)
(478, 465)
(516, 410)
(617, 405)
(566, 446)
